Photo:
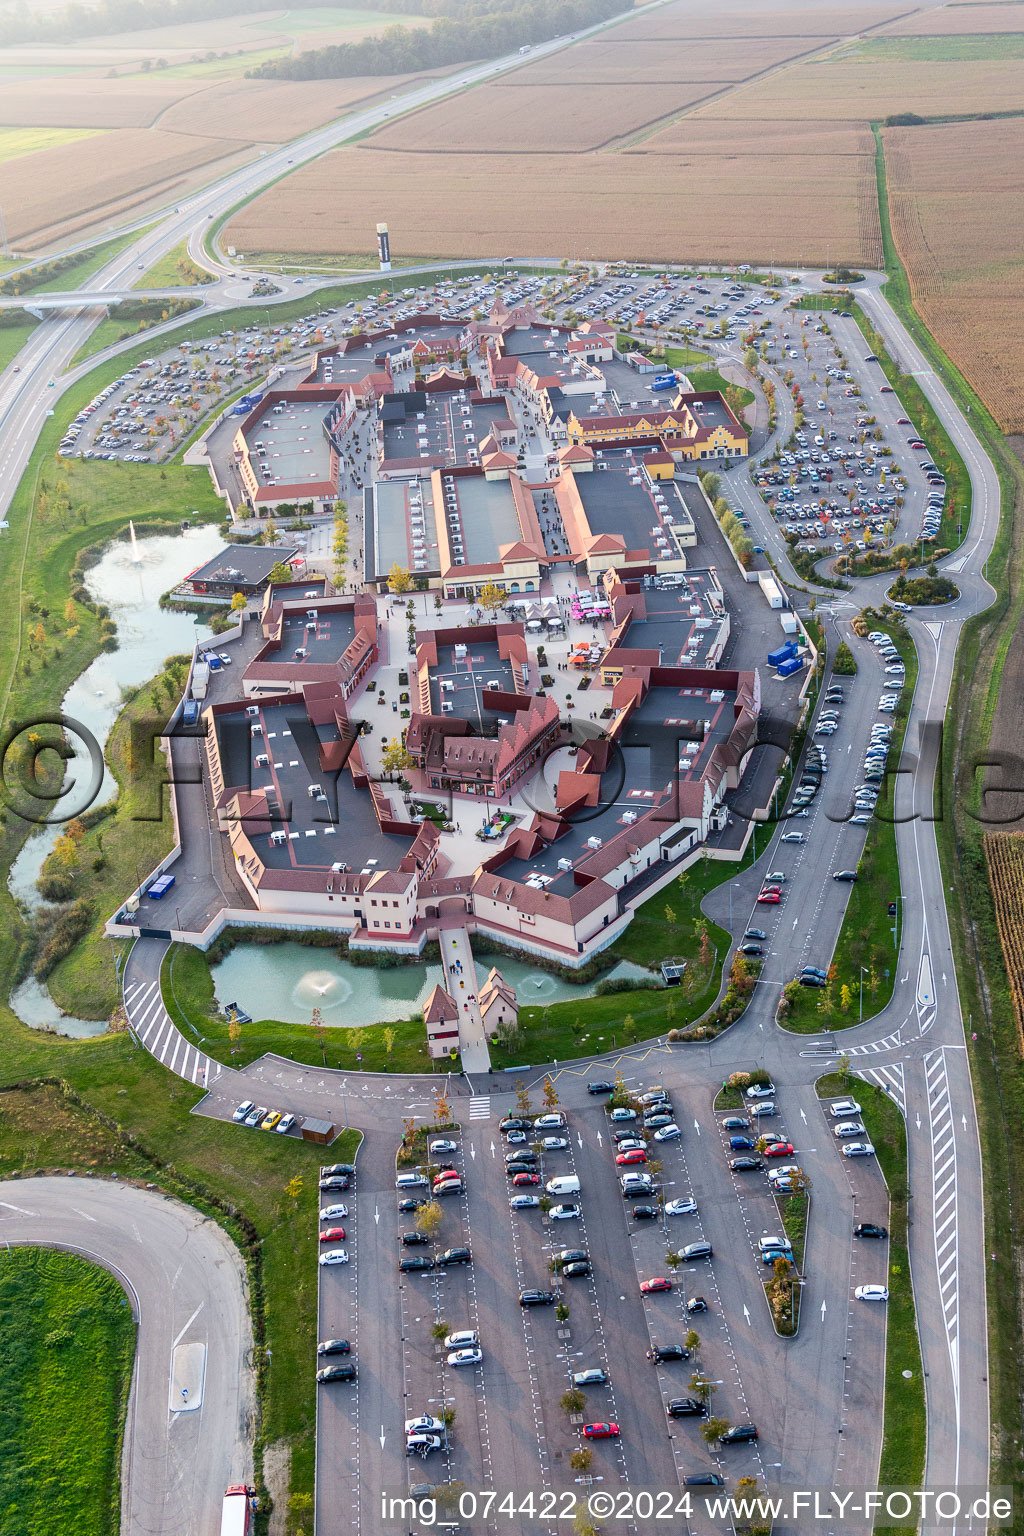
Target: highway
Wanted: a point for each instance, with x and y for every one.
(186, 1284)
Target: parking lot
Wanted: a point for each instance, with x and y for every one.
(503, 1421)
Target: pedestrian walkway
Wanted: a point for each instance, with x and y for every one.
(461, 983)
(152, 1024)
(480, 1108)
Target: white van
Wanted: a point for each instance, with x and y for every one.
(410, 1181)
(565, 1184)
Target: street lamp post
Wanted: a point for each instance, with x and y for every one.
(862, 970)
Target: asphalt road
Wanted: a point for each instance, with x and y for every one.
(186, 1284)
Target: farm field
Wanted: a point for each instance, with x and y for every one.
(980, 16)
(16, 142)
(765, 141)
(1004, 855)
(743, 18)
(864, 87)
(273, 111)
(528, 119)
(950, 186)
(662, 61)
(457, 205)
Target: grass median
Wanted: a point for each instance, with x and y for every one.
(905, 1421)
(67, 1343)
(865, 950)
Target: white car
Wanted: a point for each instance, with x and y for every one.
(284, 1125)
(766, 1110)
(555, 1143)
(849, 1128)
(844, 1107)
(858, 1149)
(792, 837)
(861, 819)
(334, 1256)
(426, 1424)
(681, 1208)
(668, 1133)
(334, 1213)
(465, 1338)
(871, 1293)
(422, 1445)
(552, 1122)
(523, 1202)
(444, 1146)
(225, 658)
(472, 1356)
(760, 1090)
(564, 1212)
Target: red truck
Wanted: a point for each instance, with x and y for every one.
(236, 1514)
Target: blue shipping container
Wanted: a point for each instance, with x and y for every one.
(160, 887)
(190, 714)
(664, 381)
(794, 664)
(783, 653)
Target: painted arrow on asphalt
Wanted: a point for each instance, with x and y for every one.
(963, 1121)
(803, 1117)
(579, 1140)
(746, 1314)
(696, 1127)
(472, 1153)
(376, 1215)
(823, 1311)
(600, 1138)
(919, 1119)
(492, 1148)
(383, 1437)
(943, 978)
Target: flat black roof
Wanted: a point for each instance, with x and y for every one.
(247, 564)
(461, 683)
(332, 636)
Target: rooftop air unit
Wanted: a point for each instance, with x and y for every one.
(263, 761)
(460, 653)
(339, 869)
(252, 710)
(256, 729)
(594, 842)
(629, 817)
(447, 708)
(717, 696)
(278, 837)
(315, 791)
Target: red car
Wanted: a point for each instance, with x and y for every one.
(332, 1234)
(600, 1431)
(637, 1155)
(521, 1180)
(903, 421)
(779, 1149)
(886, 389)
(647, 1287)
(768, 897)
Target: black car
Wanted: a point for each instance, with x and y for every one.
(703, 1480)
(337, 1373)
(414, 1239)
(869, 1229)
(600, 1087)
(738, 1434)
(348, 1168)
(520, 1157)
(751, 949)
(755, 933)
(685, 1407)
(421, 1261)
(570, 1256)
(813, 981)
(696, 1304)
(455, 1256)
(334, 1347)
(520, 1165)
(577, 1269)
(645, 1213)
(536, 1298)
(334, 1181)
(514, 1123)
(627, 1135)
(411, 1204)
(745, 1164)
(662, 1352)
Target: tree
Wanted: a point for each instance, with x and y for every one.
(714, 1429)
(581, 1460)
(389, 1035)
(439, 1330)
(300, 1505)
(442, 1108)
(280, 572)
(429, 1217)
(523, 1102)
(845, 997)
(491, 596)
(238, 602)
(670, 916)
(399, 580)
(396, 757)
(692, 1342)
(234, 1034)
(293, 1189)
(550, 1094)
(562, 1312)
(573, 1401)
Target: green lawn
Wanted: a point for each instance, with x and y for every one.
(865, 938)
(174, 269)
(13, 338)
(957, 48)
(76, 270)
(116, 328)
(67, 1342)
(903, 1443)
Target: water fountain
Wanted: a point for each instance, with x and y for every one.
(136, 555)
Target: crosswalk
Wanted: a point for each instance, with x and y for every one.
(944, 1201)
(890, 1080)
(480, 1107)
(153, 1026)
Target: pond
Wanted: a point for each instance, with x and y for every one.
(287, 981)
(130, 582)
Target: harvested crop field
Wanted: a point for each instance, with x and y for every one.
(660, 62)
(52, 188)
(952, 187)
(740, 18)
(272, 111)
(89, 103)
(867, 88)
(766, 141)
(537, 119)
(16, 142)
(980, 17)
(722, 208)
(1004, 855)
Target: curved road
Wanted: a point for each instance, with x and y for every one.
(186, 1283)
